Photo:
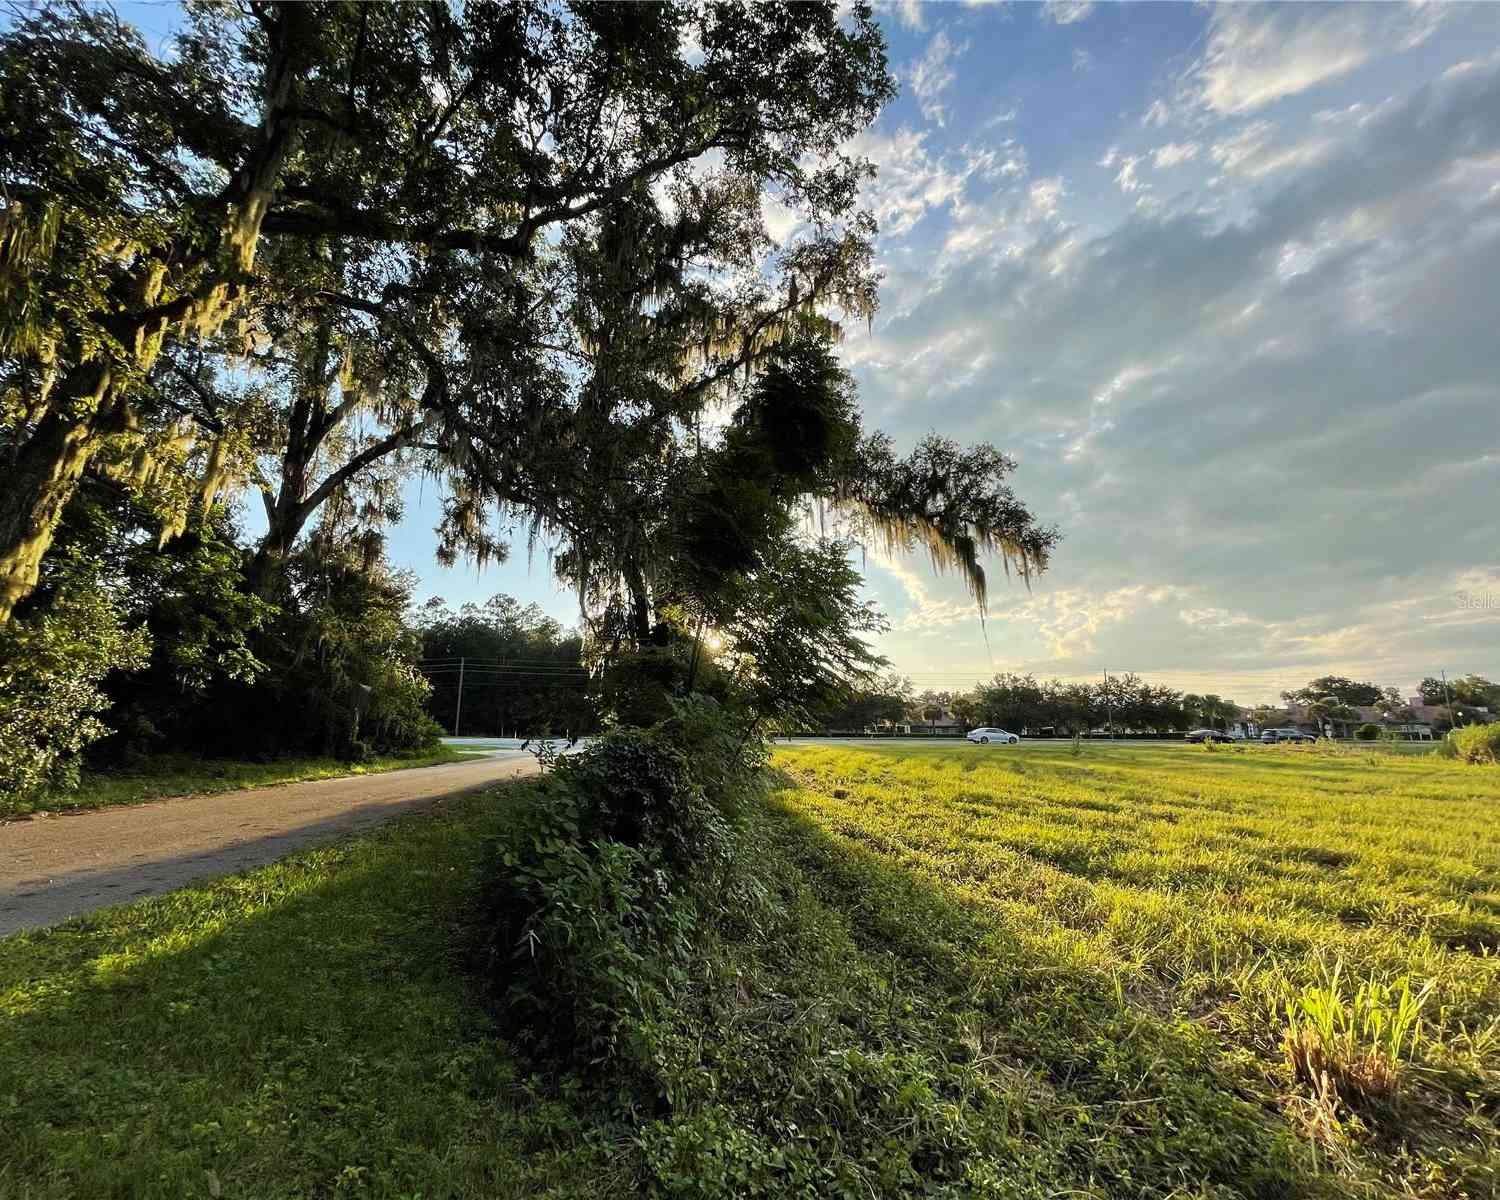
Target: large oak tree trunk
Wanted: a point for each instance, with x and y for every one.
(42, 476)
(89, 407)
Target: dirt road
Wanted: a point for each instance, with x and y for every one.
(56, 867)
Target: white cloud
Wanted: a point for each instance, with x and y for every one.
(933, 74)
(1257, 55)
(1241, 146)
(909, 12)
(1174, 154)
(913, 182)
(1252, 151)
(1066, 12)
(1127, 178)
(780, 220)
(1207, 400)
(1158, 114)
(1082, 59)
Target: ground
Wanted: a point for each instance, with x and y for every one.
(1098, 947)
(57, 866)
(167, 775)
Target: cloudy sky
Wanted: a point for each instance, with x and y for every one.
(1226, 283)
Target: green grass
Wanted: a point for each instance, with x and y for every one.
(165, 776)
(1006, 973)
(1219, 888)
(302, 1030)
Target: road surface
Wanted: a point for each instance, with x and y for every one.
(56, 867)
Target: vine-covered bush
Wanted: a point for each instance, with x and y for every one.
(601, 881)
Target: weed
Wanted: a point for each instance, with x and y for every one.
(1353, 1047)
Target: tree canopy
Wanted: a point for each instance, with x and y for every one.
(311, 251)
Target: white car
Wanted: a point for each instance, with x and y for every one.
(986, 734)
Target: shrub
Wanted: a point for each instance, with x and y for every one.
(601, 881)
(51, 666)
(1368, 732)
(1477, 743)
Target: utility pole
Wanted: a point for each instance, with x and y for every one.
(1448, 698)
(458, 710)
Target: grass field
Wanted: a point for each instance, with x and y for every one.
(1009, 973)
(1213, 888)
(184, 775)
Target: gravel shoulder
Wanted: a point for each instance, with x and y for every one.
(54, 867)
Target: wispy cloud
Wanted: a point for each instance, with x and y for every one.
(1257, 55)
(1174, 154)
(1066, 12)
(933, 74)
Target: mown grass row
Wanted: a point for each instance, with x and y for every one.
(1233, 894)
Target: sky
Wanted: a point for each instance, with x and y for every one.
(1224, 282)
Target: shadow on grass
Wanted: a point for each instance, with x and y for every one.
(308, 1029)
(1126, 1103)
(298, 1031)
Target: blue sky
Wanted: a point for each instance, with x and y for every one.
(1223, 280)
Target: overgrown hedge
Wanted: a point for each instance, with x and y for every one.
(602, 881)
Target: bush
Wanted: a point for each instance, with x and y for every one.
(1368, 732)
(1477, 743)
(51, 666)
(599, 884)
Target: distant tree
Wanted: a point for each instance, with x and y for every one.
(1393, 707)
(522, 671)
(1211, 710)
(1345, 691)
(1473, 691)
(966, 708)
(883, 698)
(1325, 709)
(1010, 701)
(1465, 700)
(1266, 715)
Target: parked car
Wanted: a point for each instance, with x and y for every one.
(1208, 735)
(986, 734)
(1286, 735)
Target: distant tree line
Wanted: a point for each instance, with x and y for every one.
(501, 669)
(1128, 703)
(1024, 704)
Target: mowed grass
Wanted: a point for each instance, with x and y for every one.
(1055, 976)
(170, 775)
(1213, 888)
(303, 1030)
